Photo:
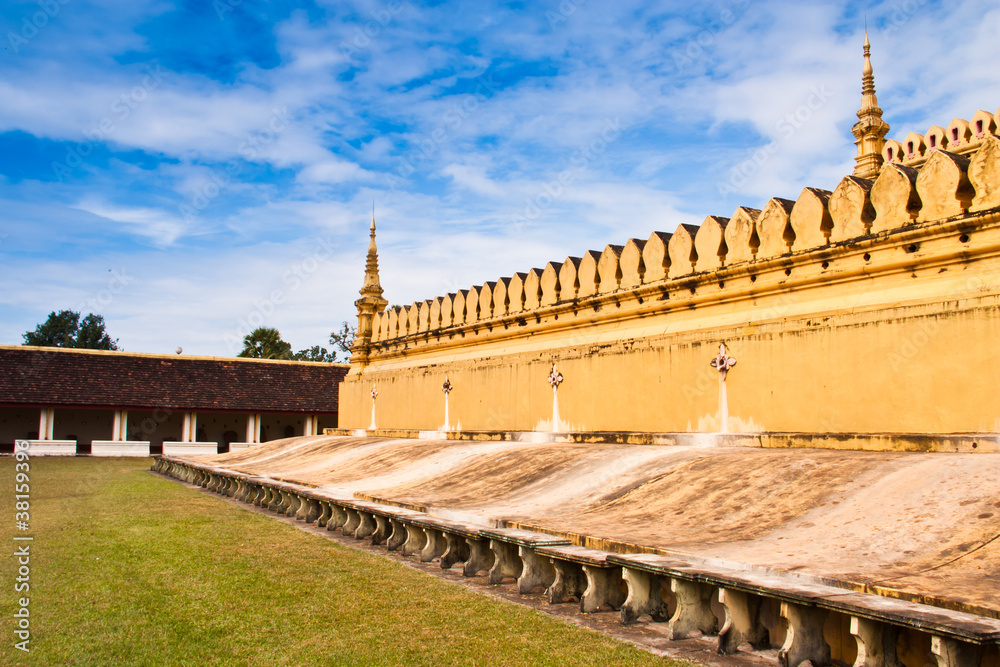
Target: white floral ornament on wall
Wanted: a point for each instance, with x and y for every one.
(555, 377)
(723, 362)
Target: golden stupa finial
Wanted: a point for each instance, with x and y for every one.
(371, 301)
(870, 130)
(372, 284)
(868, 99)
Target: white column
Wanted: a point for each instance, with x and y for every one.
(251, 427)
(123, 433)
(186, 432)
(309, 428)
(116, 430)
(256, 432)
(43, 424)
(50, 433)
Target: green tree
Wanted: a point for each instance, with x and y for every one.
(265, 343)
(64, 329)
(342, 339)
(315, 353)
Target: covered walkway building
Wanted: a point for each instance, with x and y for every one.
(71, 401)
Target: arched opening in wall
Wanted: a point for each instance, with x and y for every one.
(909, 148)
(289, 431)
(837, 633)
(889, 153)
(913, 647)
(954, 135)
(933, 142)
(228, 438)
(979, 129)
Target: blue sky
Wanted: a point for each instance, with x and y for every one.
(193, 169)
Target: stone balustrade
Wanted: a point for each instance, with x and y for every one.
(957, 178)
(746, 610)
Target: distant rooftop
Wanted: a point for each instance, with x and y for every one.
(50, 376)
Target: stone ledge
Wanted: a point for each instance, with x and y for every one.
(694, 582)
(189, 448)
(51, 447)
(119, 448)
(982, 443)
(967, 626)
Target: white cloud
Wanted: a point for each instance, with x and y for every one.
(695, 96)
(331, 171)
(161, 228)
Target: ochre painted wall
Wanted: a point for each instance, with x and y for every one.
(891, 329)
(922, 373)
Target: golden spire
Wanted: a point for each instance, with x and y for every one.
(372, 285)
(870, 130)
(869, 101)
(371, 301)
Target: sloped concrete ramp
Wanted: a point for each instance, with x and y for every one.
(925, 527)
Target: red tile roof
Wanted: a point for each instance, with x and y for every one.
(56, 377)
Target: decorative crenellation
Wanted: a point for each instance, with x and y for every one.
(961, 137)
(946, 185)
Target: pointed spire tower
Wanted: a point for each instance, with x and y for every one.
(870, 130)
(370, 303)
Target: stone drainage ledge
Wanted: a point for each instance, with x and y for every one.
(745, 610)
(515, 558)
(875, 621)
(836, 583)
(586, 575)
(881, 442)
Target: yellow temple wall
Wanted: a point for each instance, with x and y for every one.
(869, 310)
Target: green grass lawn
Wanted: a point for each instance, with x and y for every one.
(131, 569)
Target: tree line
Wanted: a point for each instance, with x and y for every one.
(67, 328)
